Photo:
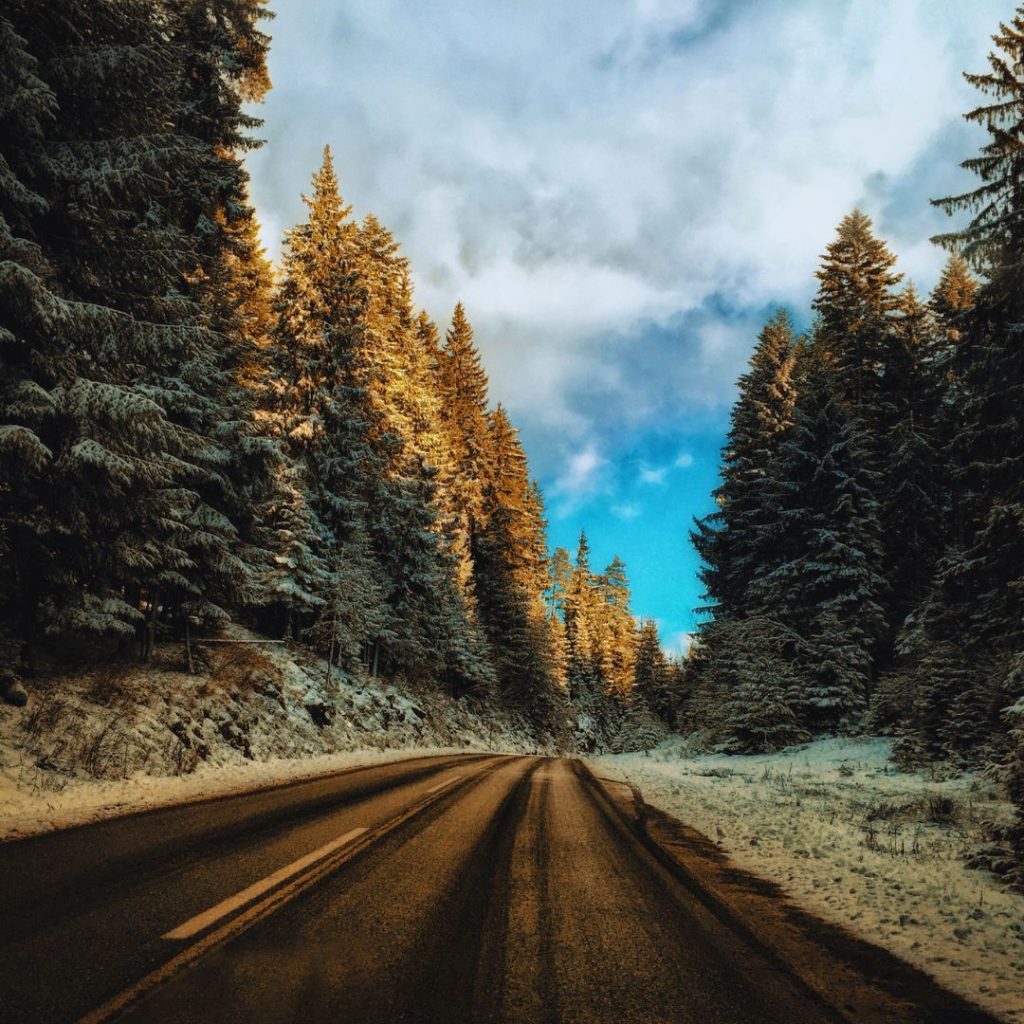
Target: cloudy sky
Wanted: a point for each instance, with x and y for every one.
(620, 192)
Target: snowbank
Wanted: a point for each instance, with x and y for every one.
(874, 850)
(119, 739)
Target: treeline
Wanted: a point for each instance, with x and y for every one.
(865, 562)
(184, 439)
(188, 438)
(623, 690)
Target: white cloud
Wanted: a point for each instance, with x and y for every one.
(679, 644)
(627, 511)
(671, 152)
(655, 477)
(684, 460)
(581, 475)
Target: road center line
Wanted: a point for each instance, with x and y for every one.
(196, 924)
(115, 1007)
(441, 785)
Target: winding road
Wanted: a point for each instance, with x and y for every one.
(450, 889)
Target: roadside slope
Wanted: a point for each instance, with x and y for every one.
(112, 740)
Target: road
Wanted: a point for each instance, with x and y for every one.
(443, 889)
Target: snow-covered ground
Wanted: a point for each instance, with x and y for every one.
(114, 740)
(877, 851)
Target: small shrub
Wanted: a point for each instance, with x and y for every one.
(941, 809)
(113, 681)
(236, 666)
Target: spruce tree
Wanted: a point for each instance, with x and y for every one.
(824, 583)
(463, 388)
(855, 305)
(914, 493)
(321, 415)
(32, 359)
(651, 673)
(615, 629)
(556, 597)
(971, 622)
(727, 539)
(953, 298)
(736, 542)
(134, 506)
(583, 679)
(509, 577)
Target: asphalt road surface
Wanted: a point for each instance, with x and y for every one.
(442, 889)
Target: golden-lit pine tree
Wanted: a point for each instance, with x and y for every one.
(616, 636)
(397, 353)
(508, 582)
(510, 492)
(323, 418)
(559, 580)
(954, 297)
(463, 388)
(581, 626)
(428, 423)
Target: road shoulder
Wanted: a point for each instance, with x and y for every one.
(875, 984)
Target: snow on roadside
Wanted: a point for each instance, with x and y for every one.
(24, 812)
(114, 740)
(850, 838)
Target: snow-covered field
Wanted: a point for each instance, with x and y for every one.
(111, 741)
(877, 851)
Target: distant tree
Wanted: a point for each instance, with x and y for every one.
(651, 678)
(615, 629)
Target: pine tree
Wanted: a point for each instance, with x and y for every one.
(727, 540)
(651, 682)
(322, 416)
(510, 574)
(953, 298)
(133, 509)
(951, 303)
(615, 629)
(583, 679)
(971, 622)
(639, 728)
(560, 580)
(463, 388)
(556, 597)
(736, 542)
(1013, 719)
(914, 493)
(406, 521)
(398, 351)
(855, 305)
(824, 583)
(298, 580)
(32, 358)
